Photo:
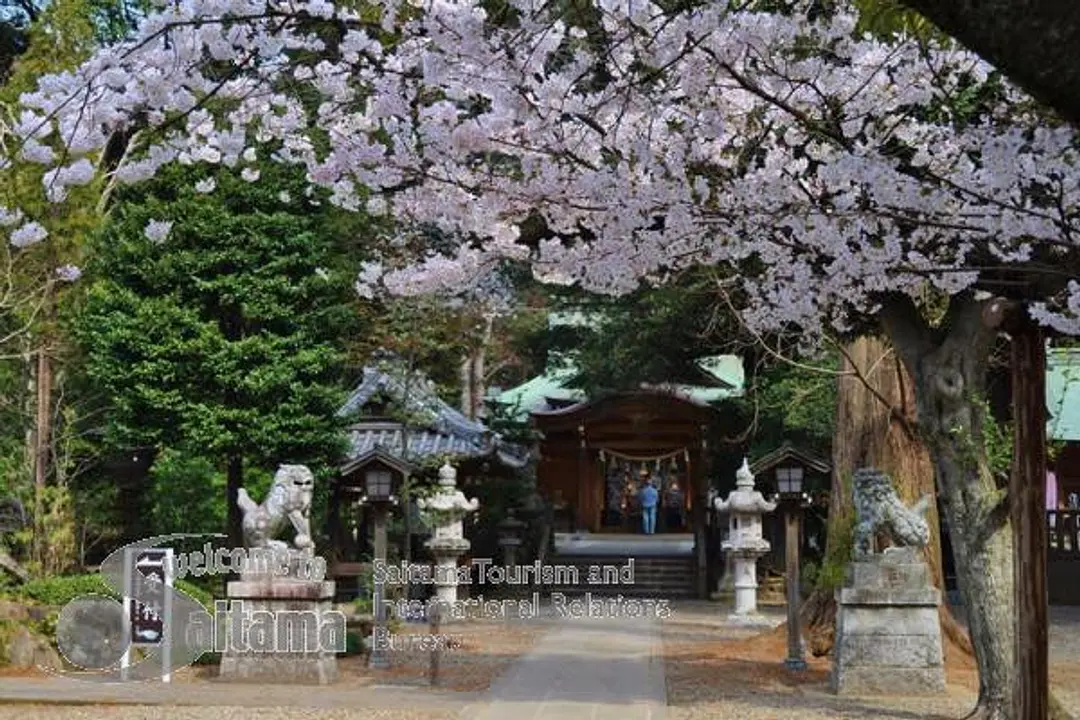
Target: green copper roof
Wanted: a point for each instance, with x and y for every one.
(1063, 393)
(535, 393)
(728, 369)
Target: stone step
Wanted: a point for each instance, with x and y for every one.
(654, 575)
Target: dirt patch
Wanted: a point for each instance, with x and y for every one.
(738, 674)
(960, 668)
(23, 672)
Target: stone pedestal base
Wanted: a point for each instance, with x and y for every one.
(888, 635)
(279, 630)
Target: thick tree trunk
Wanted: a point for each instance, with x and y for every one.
(874, 415)
(235, 481)
(948, 365)
(874, 428)
(1032, 42)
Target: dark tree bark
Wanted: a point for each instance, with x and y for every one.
(1032, 42)
(235, 481)
(1027, 495)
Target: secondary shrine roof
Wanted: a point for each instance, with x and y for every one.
(433, 428)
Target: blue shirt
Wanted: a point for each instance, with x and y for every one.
(649, 496)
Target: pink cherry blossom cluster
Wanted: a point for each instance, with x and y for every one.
(825, 166)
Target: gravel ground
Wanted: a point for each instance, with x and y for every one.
(715, 672)
(487, 649)
(143, 712)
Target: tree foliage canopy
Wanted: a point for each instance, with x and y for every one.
(220, 328)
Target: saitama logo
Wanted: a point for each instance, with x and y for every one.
(100, 634)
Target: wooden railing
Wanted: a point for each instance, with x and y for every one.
(1063, 533)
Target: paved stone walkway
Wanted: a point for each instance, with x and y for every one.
(609, 669)
(64, 691)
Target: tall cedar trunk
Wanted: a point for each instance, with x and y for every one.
(473, 371)
(875, 408)
(948, 365)
(42, 435)
(37, 549)
(235, 481)
(465, 375)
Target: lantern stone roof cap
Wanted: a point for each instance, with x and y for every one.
(745, 499)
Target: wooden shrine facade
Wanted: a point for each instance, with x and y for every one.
(592, 454)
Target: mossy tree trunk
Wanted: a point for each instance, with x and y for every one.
(875, 415)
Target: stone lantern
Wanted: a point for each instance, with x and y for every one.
(445, 511)
(745, 545)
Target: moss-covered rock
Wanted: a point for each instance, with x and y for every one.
(22, 646)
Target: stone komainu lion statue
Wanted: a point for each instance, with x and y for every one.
(289, 499)
(878, 510)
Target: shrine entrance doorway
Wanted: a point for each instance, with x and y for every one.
(624, 476)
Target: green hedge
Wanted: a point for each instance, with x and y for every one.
(63, 589)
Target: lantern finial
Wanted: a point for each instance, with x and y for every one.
(743, 477)
(447, 475)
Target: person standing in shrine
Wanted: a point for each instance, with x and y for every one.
(647, 499)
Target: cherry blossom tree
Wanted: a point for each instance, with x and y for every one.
(844, 182)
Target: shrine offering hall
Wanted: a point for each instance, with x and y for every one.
(595, 456)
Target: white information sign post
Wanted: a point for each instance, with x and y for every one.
(148, 582)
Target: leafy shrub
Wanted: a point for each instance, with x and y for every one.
(62, 589)
(833, 570)
(209, 658)
(354, 643)
(187, 494)
(198, 594)
(809, 577)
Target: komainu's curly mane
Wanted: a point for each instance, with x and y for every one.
(878, 510)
